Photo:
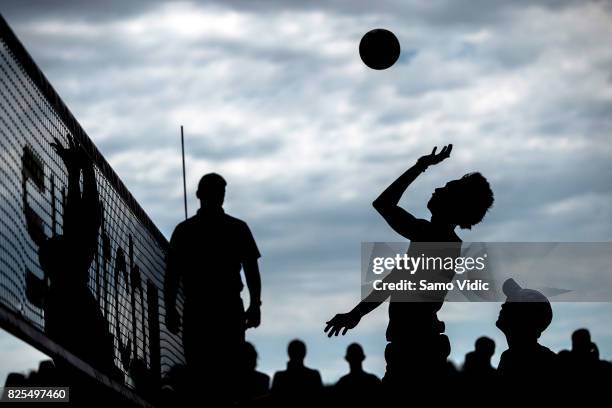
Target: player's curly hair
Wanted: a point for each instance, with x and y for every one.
(477, 198)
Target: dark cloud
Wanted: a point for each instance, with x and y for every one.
(441, 13)
(75, 9)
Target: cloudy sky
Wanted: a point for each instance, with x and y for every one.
(274, 97)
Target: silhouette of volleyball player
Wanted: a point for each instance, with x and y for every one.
(72, 315)
(416, 346)
(297, 384)
(522, 318)
(478, 362)
(358, 386)
(208, 251)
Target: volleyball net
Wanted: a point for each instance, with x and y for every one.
(60, 289)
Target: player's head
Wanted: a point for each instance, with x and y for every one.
(462, 202)
(296, 350)
(354, 354)
(526, 313)
(211, 190)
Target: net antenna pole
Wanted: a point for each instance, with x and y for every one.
(184, 181)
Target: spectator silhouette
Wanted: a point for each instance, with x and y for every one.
(255, 383)
(582, 346)
(357, 387)
(45, 376)
(16, 380)
(582, 365)
(523, 317)
(297, 384)
(417, 348)
(208, 251)
(72, 315)
(478, 362)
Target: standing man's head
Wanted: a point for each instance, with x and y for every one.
(463, 202)
(354, 356)
(211, 191)
(526, 313)
(296, 351)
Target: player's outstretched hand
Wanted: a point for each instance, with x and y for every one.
(73, 156)
(341, 322)
(433, 158)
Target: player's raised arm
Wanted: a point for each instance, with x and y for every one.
(387, 202)
(70, 158)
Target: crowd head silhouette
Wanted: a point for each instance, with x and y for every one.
(354, 354)
(526, 312)
(485, 346)
(296, 350)
(250, 356)
(581, 342)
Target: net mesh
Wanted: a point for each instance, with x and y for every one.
(126, 273)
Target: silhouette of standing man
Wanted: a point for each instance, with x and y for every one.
(208, 251)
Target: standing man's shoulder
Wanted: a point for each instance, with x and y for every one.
(184, 227)
(238, 226)
(237, 222)
(247, 246)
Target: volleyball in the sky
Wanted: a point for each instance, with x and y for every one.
(379, 49)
